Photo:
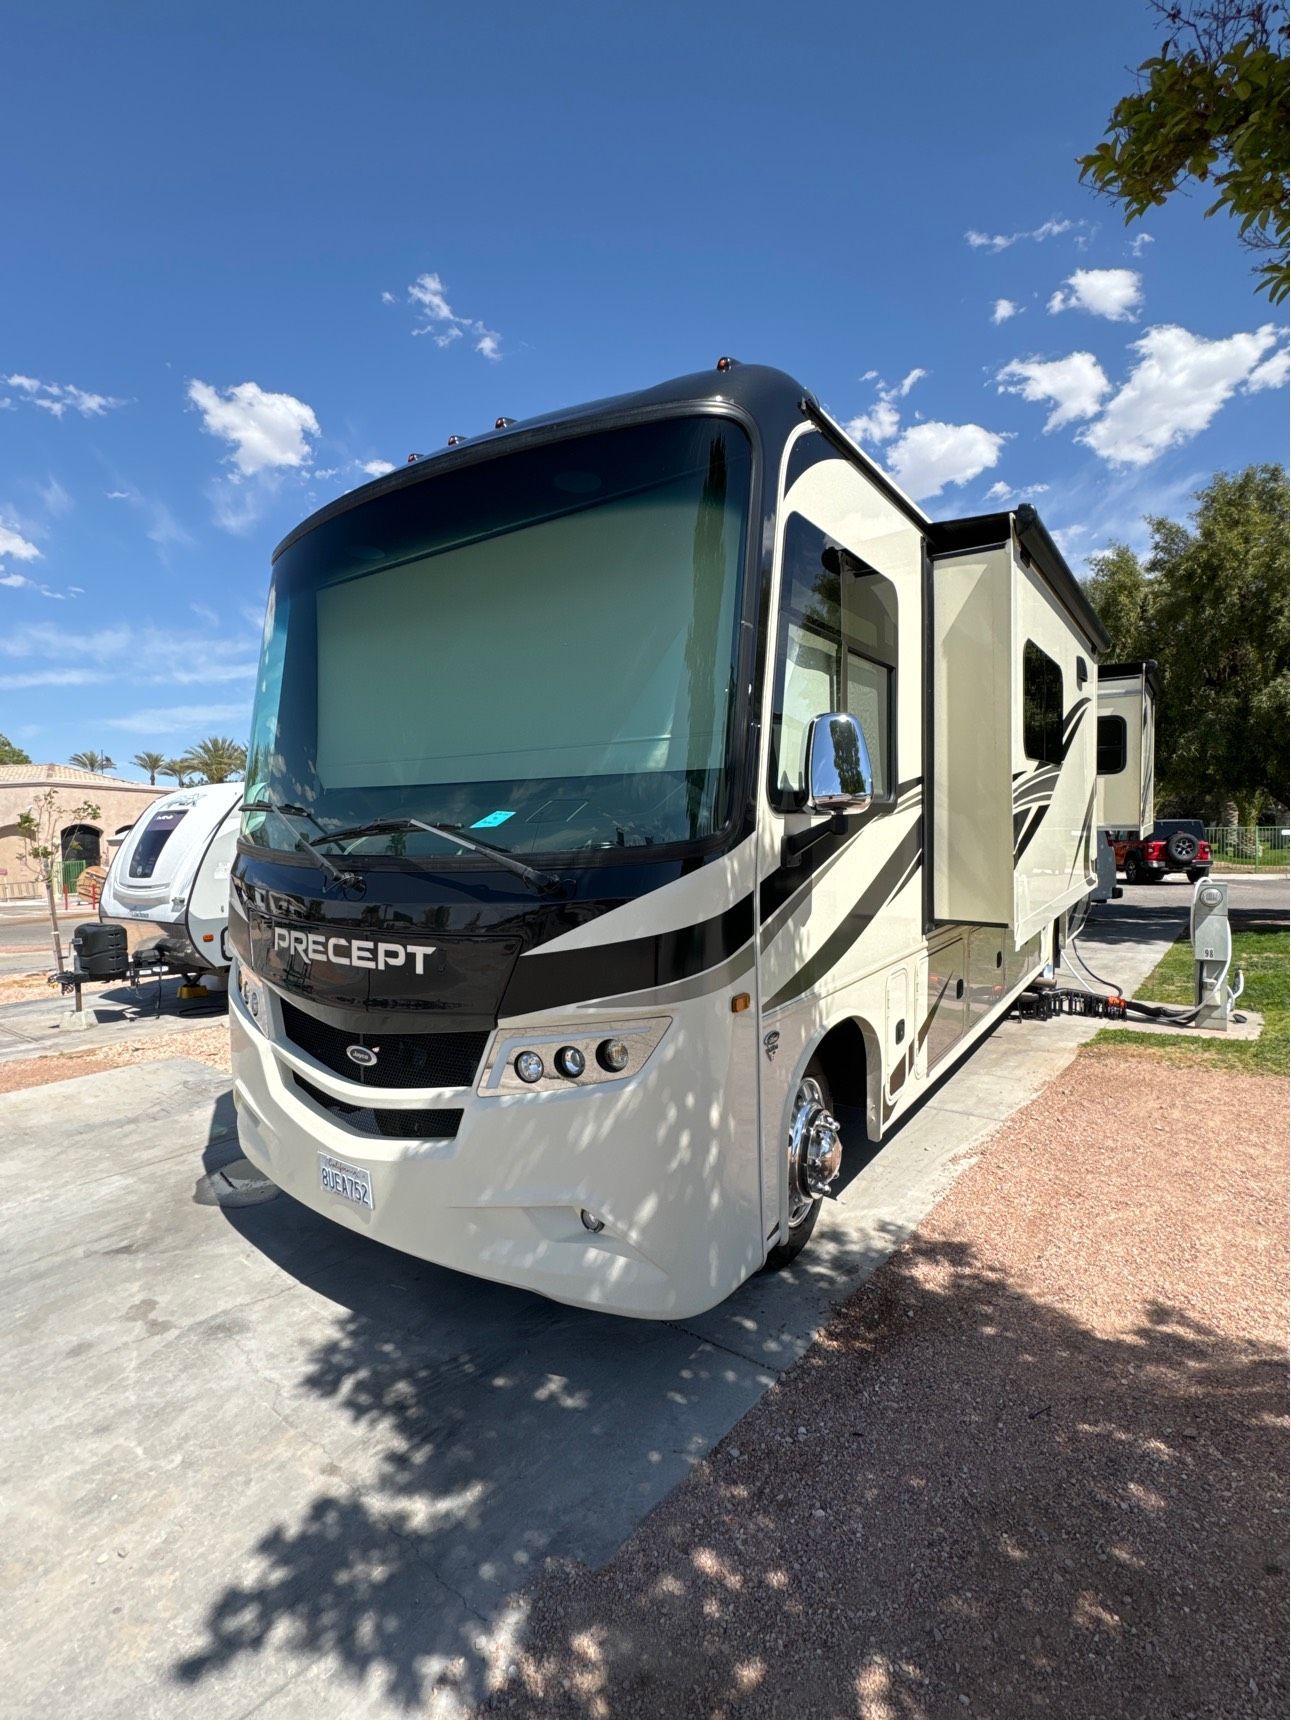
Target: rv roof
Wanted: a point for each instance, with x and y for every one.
(765, 393)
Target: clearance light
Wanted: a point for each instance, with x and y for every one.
(612, 1054)
(529, 1066)
(725, 363)
(456, 441)
(502, 423)
(570, 1062)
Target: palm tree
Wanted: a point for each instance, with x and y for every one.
(217, 758)
(176, 767)
(91, 760)
(151, 762)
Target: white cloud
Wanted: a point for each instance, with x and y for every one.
(1003, 241)
(388, 299)
(265, 431)
(56, 398)
(1139, 243)
(168, 719)
(162, 528)
(879, 424)
(1178, 385)
(376, 468)
(883, 420)
(55, 497)
(440, 321)
(1004, 309)
(20, 582)
(14, 544)
(1273, 373)
(1076, 385)
(1112, 293)
(1000, 491)
(927, 457)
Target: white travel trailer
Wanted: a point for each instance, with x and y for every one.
(168, 883)
(630, 792)
(1127, 698)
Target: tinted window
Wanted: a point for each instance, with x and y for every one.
(161, 828)
(1041, 705)
(836, 650)
(1111, 745)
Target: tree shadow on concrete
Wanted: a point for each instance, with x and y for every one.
(962, 1498)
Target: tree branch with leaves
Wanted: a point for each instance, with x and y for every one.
(40, 831)
(1212, 107)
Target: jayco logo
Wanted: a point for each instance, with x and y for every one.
(351, 952)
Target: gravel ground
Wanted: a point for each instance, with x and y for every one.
(1036, 1466)
(207, 1044)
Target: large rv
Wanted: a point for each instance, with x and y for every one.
(1127, 697)
(631, 792)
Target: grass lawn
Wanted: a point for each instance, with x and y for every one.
(1263, 958)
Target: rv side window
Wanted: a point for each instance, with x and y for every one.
(1041, 706)
(1111, 745)
(836, 651)
(143, 862)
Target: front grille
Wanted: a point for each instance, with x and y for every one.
(401, 1125)
(402, 1059)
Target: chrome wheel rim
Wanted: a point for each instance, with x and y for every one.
(815, 1151)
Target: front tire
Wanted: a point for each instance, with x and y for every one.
(803, 1215)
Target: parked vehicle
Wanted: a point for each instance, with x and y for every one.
(629, 792)
(1127, 698)
(1172, 845)
(168, 883)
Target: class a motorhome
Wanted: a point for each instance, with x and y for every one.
(168, 884)
(1127, 701)
(631, 793)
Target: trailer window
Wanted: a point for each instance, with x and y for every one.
(1111, 746)
(143, 862)
(1041, 705)
(836, 652)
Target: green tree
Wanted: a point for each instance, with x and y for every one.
(1120, 590)
(40, 833)
(176, 767)
(152, 762)
(10, 754)
(1220, 633)
(91, 760)
(1211, 107)
(217, 758)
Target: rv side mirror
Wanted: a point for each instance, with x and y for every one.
(840, 777)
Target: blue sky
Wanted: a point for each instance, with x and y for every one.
(257, 250)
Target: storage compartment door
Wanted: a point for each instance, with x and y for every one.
(972, 688)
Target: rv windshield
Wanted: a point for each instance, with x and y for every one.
(538, 649)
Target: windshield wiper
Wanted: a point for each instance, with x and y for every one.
(532, 875)
(285, 811)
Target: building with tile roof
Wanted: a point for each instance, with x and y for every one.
(89, 838)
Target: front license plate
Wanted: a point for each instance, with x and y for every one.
(347, 1182)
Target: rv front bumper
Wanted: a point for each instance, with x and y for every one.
(505, 1197)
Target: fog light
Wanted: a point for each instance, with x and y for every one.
(529, 1066)
(570, 1061)
(612, 1054)
(591, 1222)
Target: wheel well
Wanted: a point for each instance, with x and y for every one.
(843, 1056)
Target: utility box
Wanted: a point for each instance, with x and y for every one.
(1212, 951)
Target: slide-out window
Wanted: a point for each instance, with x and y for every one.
(836, 651)
(1041, 705)
(1111, 746)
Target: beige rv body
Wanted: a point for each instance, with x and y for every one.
(1126, 795)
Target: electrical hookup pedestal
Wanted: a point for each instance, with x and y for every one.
(1212, 955)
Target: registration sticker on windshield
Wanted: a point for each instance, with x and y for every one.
(347, 1182)
(491, 819)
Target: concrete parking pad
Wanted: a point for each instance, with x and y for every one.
(259, 1462)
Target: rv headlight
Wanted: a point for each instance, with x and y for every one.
(255, 997)
(529, 1066)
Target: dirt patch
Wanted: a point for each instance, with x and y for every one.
(1036, 1466)
(206, 1044)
